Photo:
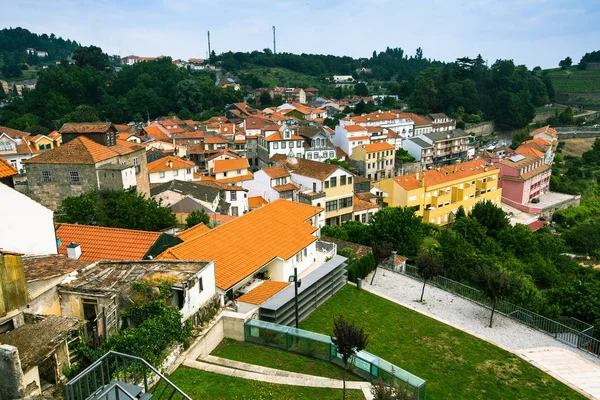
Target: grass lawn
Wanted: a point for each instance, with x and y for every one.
(207, 385)
(455, 364)
(279, 359)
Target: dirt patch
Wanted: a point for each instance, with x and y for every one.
(576, 147)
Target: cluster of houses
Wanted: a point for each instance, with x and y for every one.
(269, 179)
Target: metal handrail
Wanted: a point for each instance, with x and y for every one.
(118, 388)
(99, 361)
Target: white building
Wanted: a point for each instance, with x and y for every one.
(271, 183)
(15, 150)
(27, 226)
(169, 168)
(401, 123)
(347, 137)
(279, 141)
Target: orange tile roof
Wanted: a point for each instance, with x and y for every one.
(54, 135)
(101, 243)
(256, 201)
(304, 167)
(277, 137)
(193, 232)
(275, 172)
(419, 120)
(230, 164)
(238, 178)
(357, 138)
(214, 140)
(361, 205)
(354, 128)
(446, 174)
(545, 129)
(376, 116)
(13, 133)
(262, 292)
(285, 188)
(529, 150)
(80, 150)
(169, 163)
(6, 169)
(370, 148)
(86, 127)
(246, 244)
(155, 133)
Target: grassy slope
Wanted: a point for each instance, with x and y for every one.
(582, 86)
(206, 385)
(279, 359)
(455, 364)
(283, 77)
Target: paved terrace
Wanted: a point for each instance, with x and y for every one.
(576, 368)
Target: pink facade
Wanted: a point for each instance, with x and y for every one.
(524, 180)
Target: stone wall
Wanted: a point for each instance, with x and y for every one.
(481, 129)
(51, 194)
(11, 374)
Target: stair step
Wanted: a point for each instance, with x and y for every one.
(146, 396)
(109, 392)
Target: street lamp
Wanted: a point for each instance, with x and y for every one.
(297, 283)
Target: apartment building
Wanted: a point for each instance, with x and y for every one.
(439, 148)
(278, 139)
(401, 123)
(437, 194)
(523, 178)
(374, 161)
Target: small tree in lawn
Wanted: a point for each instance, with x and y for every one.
(382, 391)
(196, 217)
(495, 285)
(428, 267)
(348, 340)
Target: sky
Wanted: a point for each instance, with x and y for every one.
(531, 32)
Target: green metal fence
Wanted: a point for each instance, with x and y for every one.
(364, 364)
(570, 331)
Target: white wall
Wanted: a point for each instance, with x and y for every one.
(182, 175)
(33, 375)
(261, 186)
(128, 177)
(241, 201)
(196, 299)
(27, 226)
(413, 149)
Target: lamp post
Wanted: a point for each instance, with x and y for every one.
(297, 283)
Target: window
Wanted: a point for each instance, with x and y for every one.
(234, 211)
(161, 174)
(46, 176)
(342, 180)
(305, 251)
(239, 171)
(347, 202)
(275, 145)
(349, 180)
(333, 181)
(309, 156)
(331, 205)
(200, 285)
(364, 218)
(283, 145)
(233, 195)
(298, 145)
(175, 172)
(135, 161)
(326, 184)
(189, 170)
(331, 155)
(74, 178)
(5, 146)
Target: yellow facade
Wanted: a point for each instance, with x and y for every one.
(437, 202)
(337, 192)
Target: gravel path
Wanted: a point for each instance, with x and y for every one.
(463, 314)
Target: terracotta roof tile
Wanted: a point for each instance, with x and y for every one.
(86, 127)
(370, 148)
(214, 140)
(285, 188)
(101, 243)
(6, 169)
(262, 292)
(275, 172)
(80, 150)
(238, 178)
(277, 137)
(169, 163)
(256, 201)
(244, 245)
(529, 150)
(13, 133)
(46, 267)
(304, 167)
(231, 164)
(355, 128)
(193, 232)
(155, 133)
(361, 205)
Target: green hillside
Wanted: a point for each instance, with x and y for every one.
(576, 87)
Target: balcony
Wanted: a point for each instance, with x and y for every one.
(121, 376)
(325, 250)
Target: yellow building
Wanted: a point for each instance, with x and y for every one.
(437, 194)
(375, 161)
(45, 142)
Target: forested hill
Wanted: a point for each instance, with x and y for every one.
(15, 41)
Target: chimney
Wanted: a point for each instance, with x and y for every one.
(74, 251)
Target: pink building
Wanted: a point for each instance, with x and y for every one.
(523, 178)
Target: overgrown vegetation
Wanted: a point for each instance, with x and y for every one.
(116, 209)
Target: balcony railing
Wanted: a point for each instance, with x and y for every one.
(117, 375)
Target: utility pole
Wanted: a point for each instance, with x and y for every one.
(274, 43)
(208, 44)
(297, 283)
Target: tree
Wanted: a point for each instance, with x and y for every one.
(197, 217)
(91, 55)
(360, 89)
(11, 71)
(429, 267)
(519, 137)
(82, 113)
(566, 117)
(566, 63)
(490, 217)
(117, 209)
(265, 99)
(404, 156)
(460, 213)
(399, 226)
(495, 285)
(348, 340)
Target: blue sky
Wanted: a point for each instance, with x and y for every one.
(531, 32)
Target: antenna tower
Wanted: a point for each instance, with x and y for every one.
(274, 43)
(208, 44)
